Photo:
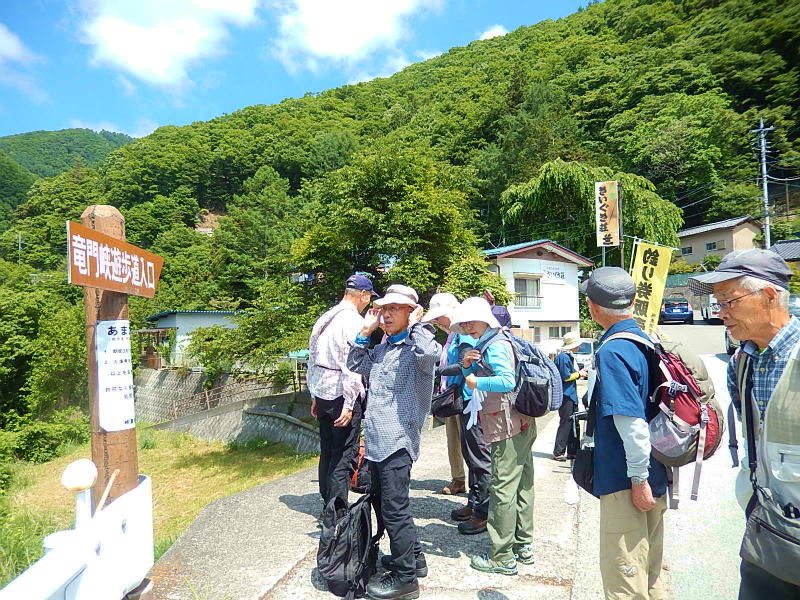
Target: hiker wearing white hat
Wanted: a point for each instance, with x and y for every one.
(399, 372)
(440, 311)
(570, 373)
(489, 372)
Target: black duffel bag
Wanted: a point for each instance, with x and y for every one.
(583, 465)
(448, 403)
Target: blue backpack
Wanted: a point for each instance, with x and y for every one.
(538, 387)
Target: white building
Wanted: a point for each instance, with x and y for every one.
(184, 322)
(542, 277)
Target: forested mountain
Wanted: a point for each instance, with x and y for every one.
(48, 153)
(407, 177)
(15, 181)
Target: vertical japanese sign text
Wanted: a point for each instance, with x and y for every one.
(606, 197)
(650, 276)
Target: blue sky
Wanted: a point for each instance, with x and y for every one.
(134, 65)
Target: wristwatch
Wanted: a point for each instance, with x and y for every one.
(638, 480)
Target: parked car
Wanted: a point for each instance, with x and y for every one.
(731, 343)
(710, 311)
(676, 309)
(584, 355)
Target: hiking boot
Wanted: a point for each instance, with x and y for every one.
(486, 565)
(524, 554)
(422, 565)
(457, 486)
(389, 587)
(473, 526)
(462, 514)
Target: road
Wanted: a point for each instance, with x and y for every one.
(702, 537)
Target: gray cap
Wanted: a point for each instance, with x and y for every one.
(761, 264)
(610, 287)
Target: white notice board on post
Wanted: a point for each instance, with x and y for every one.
(114, 375)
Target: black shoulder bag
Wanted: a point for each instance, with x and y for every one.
(583, 467)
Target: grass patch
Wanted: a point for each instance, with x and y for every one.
(187, 474)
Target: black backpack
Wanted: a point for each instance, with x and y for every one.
(348, 552)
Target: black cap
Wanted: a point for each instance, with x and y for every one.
(359, 282)
(761, 264)
(610, 287)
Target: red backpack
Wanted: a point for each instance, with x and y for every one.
(686, 424)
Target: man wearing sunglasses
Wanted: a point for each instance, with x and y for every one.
(752, 289)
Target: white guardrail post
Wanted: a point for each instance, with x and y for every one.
(104, 557)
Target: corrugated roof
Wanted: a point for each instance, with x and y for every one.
(717, 225)
(166, 313)
(521, 246)
(789, 250)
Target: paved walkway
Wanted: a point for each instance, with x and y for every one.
(262, 543)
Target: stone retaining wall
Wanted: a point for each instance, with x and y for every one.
(257, 418)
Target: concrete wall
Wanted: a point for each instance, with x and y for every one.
(155, 391)
(262, 418)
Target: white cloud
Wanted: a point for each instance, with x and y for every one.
(13, 55)
(311, 31)
(156, 41)
(143, 127)
(127, 86)
(493, 31)
(427, 54)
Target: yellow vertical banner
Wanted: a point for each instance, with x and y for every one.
(650, 276)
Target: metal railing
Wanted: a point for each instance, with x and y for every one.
(521, 300)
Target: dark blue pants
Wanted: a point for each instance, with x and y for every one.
(758, 584)
(391, 481)
(338, 448)
(479, 465)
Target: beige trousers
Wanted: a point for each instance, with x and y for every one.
(631, 548)
(453, 429)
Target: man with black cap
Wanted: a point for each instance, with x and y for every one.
(752, 288)
(337, 393)
(630, 483)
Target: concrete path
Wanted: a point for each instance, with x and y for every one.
(262, 543)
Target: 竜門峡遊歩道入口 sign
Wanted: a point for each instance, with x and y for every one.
(101, 261)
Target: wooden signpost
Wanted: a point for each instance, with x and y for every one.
(109, 269)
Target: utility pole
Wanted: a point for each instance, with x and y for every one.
(761, 131)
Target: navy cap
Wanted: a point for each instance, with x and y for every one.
(359, 282)
(761, 264)
(610, 287)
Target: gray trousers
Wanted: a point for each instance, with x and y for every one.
(479, 464)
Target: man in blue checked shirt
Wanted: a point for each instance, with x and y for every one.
(399, 374)
(752, 288)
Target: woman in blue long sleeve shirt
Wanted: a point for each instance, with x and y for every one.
(489, 371)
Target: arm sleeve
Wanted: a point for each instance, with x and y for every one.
(636, 440)
(358, 359)
(426, 349)
(619, 393)
(498, 356)
(352, 385)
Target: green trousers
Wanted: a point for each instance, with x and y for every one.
(510, 521)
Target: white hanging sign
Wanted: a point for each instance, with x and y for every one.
(114, 375)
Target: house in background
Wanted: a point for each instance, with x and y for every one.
(542, 277)
(718, 238)
(184, 322)
(789, 250)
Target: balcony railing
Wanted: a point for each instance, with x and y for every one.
(522, 301)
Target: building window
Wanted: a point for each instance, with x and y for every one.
(526, 292)
(686, 250)
(552, 332)
(537, 334)
(718, 245)
(558, 332)
(565, 331)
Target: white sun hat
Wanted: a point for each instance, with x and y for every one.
(398, 294)
(473, 309)
(571, 340)
(442, 304)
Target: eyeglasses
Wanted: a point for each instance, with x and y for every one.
(727, 304)
(393, 308)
